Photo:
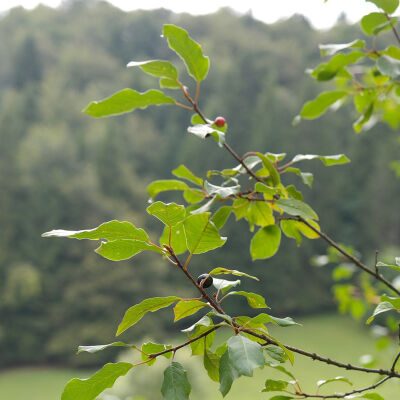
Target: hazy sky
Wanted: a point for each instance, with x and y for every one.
(321, 15)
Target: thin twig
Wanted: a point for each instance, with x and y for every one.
(344, 395)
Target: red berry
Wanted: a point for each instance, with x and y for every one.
(220, 122)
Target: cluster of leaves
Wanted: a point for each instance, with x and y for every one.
(255, 192)
(238, 356)
(369, 77)
(256, 199)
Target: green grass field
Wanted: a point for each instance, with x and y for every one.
(35, 383)
(331, 336)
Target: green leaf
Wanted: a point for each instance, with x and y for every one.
(198, 347)
(196, 63)
(221, 270)
(170, 214)
(392, 51)
(381, 308)
(276, 353)
(293, 192)
(314, 108)
(204, 321)
(395, 267)
(327, 160)
(260, 213)
(203, 131)
(296, 208)
(159, 68)
(276, 180)
(125, 101)
(178, 238)
(291, 230)
(193, 196)
(265, 318)
(394, 301)
(245, 355)
(150, 348)
(201, 234)
(280, 368)
(175, 385)
(288, 352)
(112, 230)
(265, 243)
(254, 299)
(224, 285)
(306, 177)
(221, 191)
(336, 379)
(388, 6)
(197, 120)
(388, 66)
(268, 191)
(211, 364)
(279, 397)
(100, 347)
(358, 125)
(372, 20)
(124, 249)
(136, 312)
(272, 385)
(221, 216)
(241, 208)
(372, 396)
(157, 187)
(168, 83)
(89, 389)
(185, 173)
(227, 373)
(331, 49)
(327, 71)
(206, 207)
(184, 308)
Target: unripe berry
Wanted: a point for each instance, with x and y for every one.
(220, 122)
(207, 283)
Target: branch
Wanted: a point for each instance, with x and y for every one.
(353, 259)
(213, 303)
(216, 305)
(344, 395)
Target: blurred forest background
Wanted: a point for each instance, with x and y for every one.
(62, 169)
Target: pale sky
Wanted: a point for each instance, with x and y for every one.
(322, 15)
